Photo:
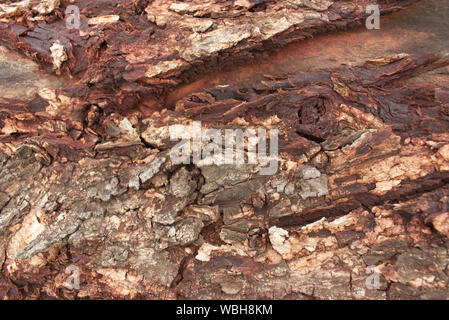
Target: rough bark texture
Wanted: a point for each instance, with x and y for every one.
(86, 178)
(160, 44)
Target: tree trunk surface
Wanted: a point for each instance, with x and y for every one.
(357, 208)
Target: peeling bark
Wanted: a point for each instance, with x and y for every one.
(158, 45)
(86, 177)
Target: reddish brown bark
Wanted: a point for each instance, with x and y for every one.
(86, 178)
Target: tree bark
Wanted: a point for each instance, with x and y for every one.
(87, 177)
